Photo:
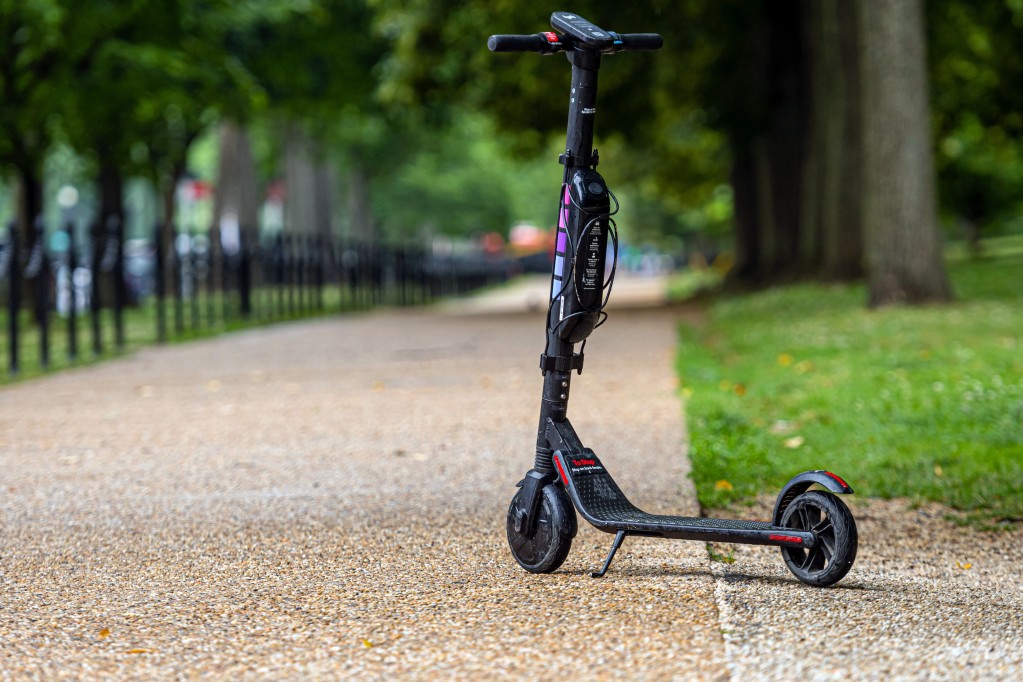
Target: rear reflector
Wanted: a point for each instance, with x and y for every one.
(837, 478)
(564, 478)
(786, 538)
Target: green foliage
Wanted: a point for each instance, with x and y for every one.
(387, 87)
(699, 96)
(924, 403)
(461, 183)
(130, 83)
(715, 555)
(188, 76)
(691, 282)
(33, 50)
(312, 59)
(668, 155)
(976, 61)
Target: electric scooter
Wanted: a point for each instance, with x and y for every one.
(814, 528)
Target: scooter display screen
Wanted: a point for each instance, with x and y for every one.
(582, 30)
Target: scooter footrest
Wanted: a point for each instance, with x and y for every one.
(603, 504)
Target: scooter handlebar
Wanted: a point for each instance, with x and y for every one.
(641, 41)
(549, 43)
(536, 42)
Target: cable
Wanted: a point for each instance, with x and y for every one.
(618, 205)
(564, 279)
(573, 248)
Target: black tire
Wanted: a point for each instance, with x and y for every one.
(833, 555)
(548, 547)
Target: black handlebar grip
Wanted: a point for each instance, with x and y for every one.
(641, 41)
(517, 43)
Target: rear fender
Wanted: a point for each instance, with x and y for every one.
(801, 483)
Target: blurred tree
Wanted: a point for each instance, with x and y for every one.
(48, 49)
(318, 65)
(30, 53)
(237, 199)
(154, 87)
(457, 184)
(765, 95)
(903, 249)
(832, 173)
(46, 46)
(192, 80)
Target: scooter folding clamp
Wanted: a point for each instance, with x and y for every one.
(561, 363)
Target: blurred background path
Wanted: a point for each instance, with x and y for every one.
(530, 294)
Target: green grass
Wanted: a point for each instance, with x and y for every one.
(685, 284)
(924, 403)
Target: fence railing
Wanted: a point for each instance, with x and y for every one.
(144, 291)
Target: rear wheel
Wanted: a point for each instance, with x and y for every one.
(833, 554)
(546, 549)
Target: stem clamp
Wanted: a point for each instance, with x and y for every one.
(561, 363)
(568, 160)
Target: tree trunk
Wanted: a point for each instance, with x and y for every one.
(310, 197)
(360, 210)
(30, 202)
(971, 230)
(772, 152)
(903, 249)
(842, 219)
(30, 207)
(238, 190)
(111, 217)
(747, 235)
(831, 244)
(111, 190)
(786, 140)
(325, 197)
(168, 230)
(769, 256)
(817, 132)
(236, 200)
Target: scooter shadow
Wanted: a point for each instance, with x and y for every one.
(728, 576)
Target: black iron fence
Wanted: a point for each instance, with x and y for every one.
(156, 290)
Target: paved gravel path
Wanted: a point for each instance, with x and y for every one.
(327, 498)
(926, 599)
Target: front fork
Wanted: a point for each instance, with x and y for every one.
(577, 297)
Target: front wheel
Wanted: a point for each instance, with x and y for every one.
(833, 554)
(547, 548)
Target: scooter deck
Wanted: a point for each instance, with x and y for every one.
(602, 503)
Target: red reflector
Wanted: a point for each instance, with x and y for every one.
(836, 477)
(786, 538)
(564, 478)
(551, 37)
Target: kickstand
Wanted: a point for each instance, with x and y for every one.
(610, 555)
